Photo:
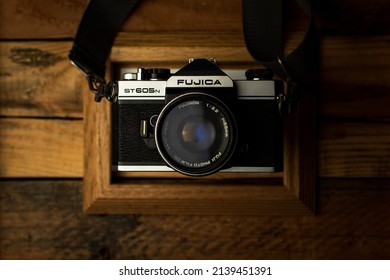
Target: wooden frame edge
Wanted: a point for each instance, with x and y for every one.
(294, 195)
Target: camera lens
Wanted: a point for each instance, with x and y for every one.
(196, 134)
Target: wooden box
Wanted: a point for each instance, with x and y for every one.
(291, 192)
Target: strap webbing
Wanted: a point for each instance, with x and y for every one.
(96, 34)
(263, 27)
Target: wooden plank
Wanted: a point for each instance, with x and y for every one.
(43, 220)
(355, 149)
(52, 87)
(358, 60)
(29, 148)
(37, 79)
(354, 102)
(341, 17)
(343, 60)
(36, 148)
(40, 19)
(59, 19)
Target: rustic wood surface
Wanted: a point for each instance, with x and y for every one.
(41, 143)
(37, 81)
(32, 19)
(44, 220)
(41, 148)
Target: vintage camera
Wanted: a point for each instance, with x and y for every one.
(197, 121)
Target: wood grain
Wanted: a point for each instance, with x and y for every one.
(355, 149)
(356, 60)
(32, 19)
(37, 80)
(50, 86)
(354, 78)
(354, 102)
(38, 19)
(343, 60)
(36, 148)
(345, 149)
(43, 220)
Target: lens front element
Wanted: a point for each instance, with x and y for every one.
(195, 134)
(198, 134)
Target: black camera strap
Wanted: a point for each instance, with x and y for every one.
(262, 21)
(94, 39)
(263, 28)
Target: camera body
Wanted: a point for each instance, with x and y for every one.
(197, 121)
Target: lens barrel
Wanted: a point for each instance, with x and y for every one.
(196, 134)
